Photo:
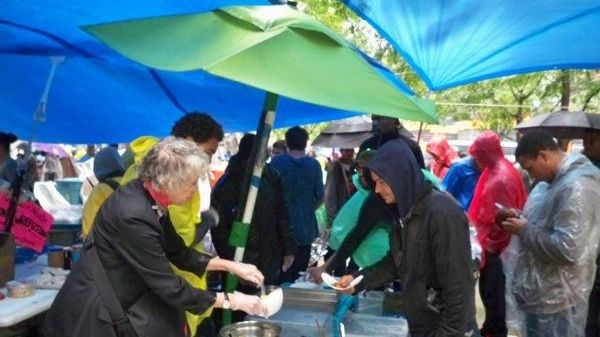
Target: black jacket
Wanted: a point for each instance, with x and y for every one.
(270, 237)
(135, 246)
(429, 248)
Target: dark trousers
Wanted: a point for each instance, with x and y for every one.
(592, 327)
(491, 289)
(207, 328)
(300, 264)
(472, 331)
(568, 323)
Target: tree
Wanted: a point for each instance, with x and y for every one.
(497, 104)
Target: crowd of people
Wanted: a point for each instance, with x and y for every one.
(153, 229)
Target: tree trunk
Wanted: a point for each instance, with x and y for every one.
(565, 99)
(519, 115)
(565, 92)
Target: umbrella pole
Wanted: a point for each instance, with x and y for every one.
(258, 157)
(421, 124)
(39, 116)
(420, 131)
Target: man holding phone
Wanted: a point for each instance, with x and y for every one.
(559, 236)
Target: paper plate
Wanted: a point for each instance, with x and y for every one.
(331, 281)
(273, 301)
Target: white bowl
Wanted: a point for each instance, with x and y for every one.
(273, 301)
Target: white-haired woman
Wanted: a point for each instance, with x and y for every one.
(133, 242)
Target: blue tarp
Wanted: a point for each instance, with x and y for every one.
(98, 96)
(449, 43)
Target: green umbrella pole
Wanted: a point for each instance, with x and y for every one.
(240, 229)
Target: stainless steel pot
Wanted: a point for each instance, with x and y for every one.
(251, 329)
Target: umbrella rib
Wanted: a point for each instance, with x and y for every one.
(50, 36)
(163, 86)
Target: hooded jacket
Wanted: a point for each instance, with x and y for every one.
(438, 145)
(109, 170)
(302, 180)
(559, 244)
(430, 250)
(499, 183)
(460, 181)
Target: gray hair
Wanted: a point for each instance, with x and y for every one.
(172, 163)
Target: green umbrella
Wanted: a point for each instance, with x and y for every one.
(274, 48)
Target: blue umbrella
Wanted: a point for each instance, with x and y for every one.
(449, 43)
(97, 96)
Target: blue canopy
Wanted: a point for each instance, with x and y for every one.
(97, 96)
(449, 43)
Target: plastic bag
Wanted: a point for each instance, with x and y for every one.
(321, 215)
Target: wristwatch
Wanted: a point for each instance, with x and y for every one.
(226, 302)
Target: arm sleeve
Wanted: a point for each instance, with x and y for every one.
(483, 211)
(379, 274)
(141, 247)
(224, 203)
(367, 219)
(331, 195)
(450, 247)
(178, 253)
(565, 243)
(451, 182)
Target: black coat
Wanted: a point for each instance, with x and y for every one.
(338, 189)
(135, 246)
(430, 249)
(270, 237)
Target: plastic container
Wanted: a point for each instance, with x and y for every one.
(70, 188)
(76, 252)
(18, 289)
(56, 256)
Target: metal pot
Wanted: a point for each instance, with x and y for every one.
(251, 329)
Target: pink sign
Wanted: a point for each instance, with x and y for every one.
(31, 224)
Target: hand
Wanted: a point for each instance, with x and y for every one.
(345, 281)
(314, 274)
(505, 213)
(514, 225)
(325, 233)
(247, 271)
(249, 304)
(288, 261)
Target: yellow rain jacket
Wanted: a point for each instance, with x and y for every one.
(97, 197)
(184, 219)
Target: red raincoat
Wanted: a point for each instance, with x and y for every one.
(444, 153)
(499, 183)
